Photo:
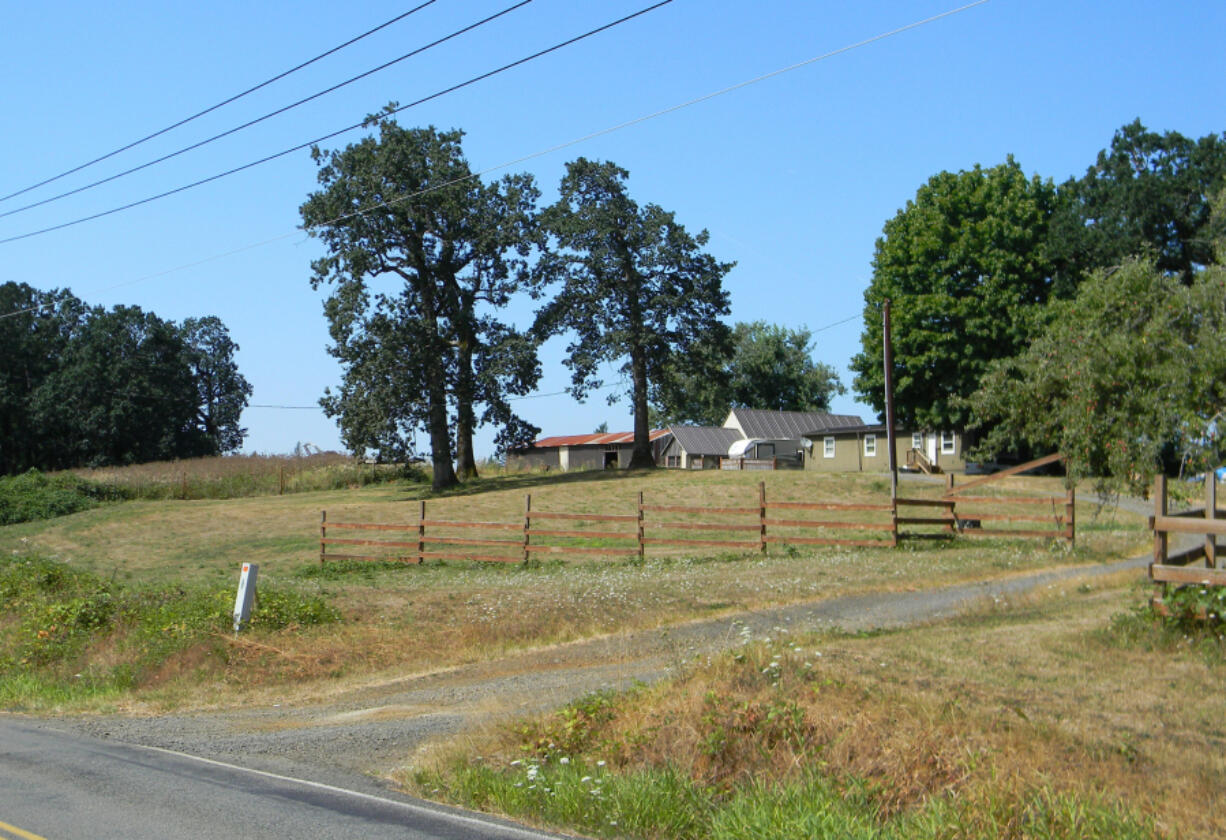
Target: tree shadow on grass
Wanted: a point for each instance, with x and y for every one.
(522, 481)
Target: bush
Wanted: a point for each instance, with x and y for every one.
(34, 495)
(54, 617)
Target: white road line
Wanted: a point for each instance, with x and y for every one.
(436, 812)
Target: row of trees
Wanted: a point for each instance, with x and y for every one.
(422, 258)
(1002, 284)
(85, 386)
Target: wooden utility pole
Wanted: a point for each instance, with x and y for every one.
(889, 398)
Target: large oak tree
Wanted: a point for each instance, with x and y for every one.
(421, 256)
(634, 287)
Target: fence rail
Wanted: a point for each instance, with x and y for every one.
(1177, 568)
(816, 522)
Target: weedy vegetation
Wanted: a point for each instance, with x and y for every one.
(71, 637)
(1052, 717)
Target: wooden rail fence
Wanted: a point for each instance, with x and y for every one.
(1179, 568)
(673, 526)
(972, 511)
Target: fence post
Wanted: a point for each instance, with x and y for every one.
(421, 534)
(1160, 539)
(527, 525)
(1070, 517)
(1210, 515)
(323, 534)
(949, 483)
(762, 514)
(642, 536)
(894, 523)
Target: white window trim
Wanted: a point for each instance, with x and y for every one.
(828, 446)
(917, 441)
(870, 446)
(948, 443)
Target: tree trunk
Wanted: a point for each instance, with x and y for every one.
(466, 420)
(642, 456)
(436, 398)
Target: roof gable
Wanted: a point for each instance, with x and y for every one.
(788, 425)
(705, 440)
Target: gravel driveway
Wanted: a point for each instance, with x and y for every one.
(360, 734)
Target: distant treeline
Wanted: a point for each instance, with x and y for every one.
(84, 386)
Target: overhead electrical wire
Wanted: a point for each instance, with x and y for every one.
(364, 123)
(221, 104)
(270, 114)
(541, 153)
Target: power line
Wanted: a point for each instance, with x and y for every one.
(362, 124)
(269, 115)
(508, 399)
(836, 324)
(224, 102)
(507, 164)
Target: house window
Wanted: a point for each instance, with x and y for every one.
(673, 461)
(917, 440)
(947, 443)
(695, 462)
(828, 447)
(870, 446)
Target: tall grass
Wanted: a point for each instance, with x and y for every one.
(666, 803)
(237, 476)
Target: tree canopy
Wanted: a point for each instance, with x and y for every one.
(421, 256)
(1128, 375)
(769, 366)
(84, 386)
(1147, 196)
(634, 287)
(965, 267)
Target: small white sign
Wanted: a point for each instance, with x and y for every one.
(246, 595)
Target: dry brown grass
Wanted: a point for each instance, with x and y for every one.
(217, 467)
(418, 617)
(1008, 699)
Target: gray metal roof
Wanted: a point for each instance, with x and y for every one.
(790, 425)
(705, 440)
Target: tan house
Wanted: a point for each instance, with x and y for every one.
(864, 448)
(781, 434)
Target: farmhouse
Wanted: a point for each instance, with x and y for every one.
(600, 450)
(863, 448)
(782, 434)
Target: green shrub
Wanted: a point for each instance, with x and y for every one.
(53, 615)
(34, 495)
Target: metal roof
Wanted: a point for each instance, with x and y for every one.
(595, 439)
(705, 440)
(789, 425)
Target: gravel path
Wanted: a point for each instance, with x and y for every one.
(359, 735)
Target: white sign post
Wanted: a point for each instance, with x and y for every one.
(246, 595)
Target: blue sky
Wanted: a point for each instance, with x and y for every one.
(793, 177)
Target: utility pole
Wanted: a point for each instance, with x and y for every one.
(888, 353)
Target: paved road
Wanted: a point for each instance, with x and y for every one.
(65, 786)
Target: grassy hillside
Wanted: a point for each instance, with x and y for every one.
(461, 611)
